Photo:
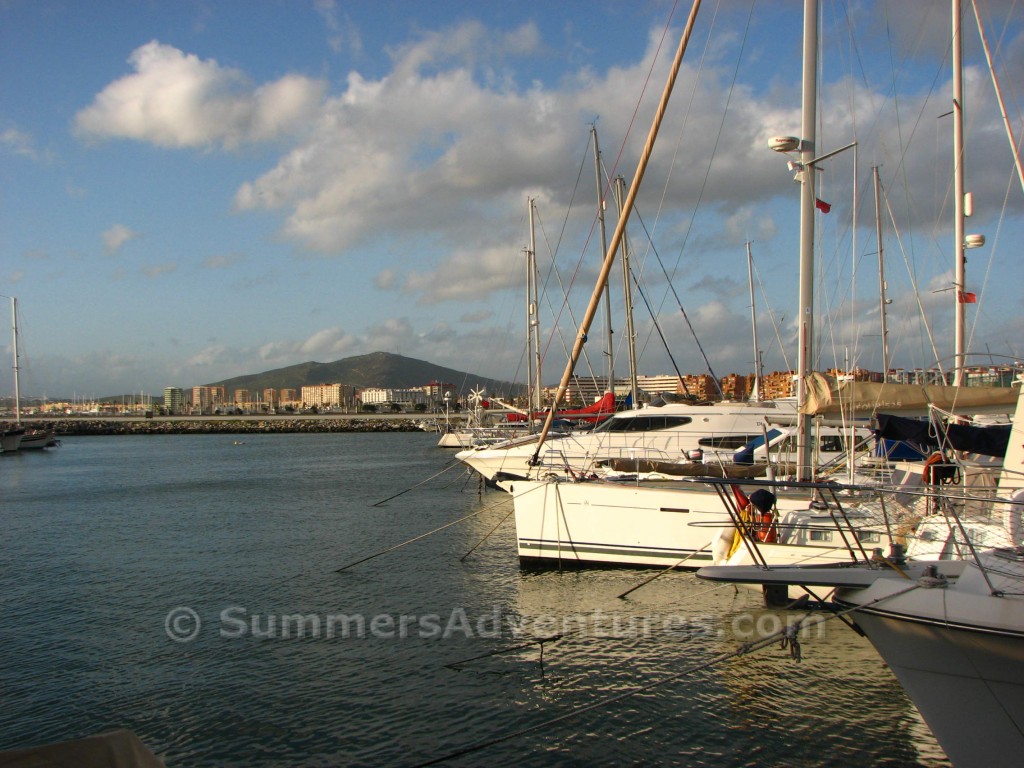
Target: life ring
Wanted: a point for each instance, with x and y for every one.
(764, 527)
(757, 516)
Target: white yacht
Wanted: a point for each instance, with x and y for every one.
(660, 431)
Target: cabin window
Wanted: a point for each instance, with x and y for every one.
(831, 444)
(727, 442)
(643, 423)
(821, 535)
(869, 537)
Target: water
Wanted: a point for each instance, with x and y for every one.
(111, 543)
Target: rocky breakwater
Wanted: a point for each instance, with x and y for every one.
(221, 425)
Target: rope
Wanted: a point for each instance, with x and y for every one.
(421, 536)
(451, 464)
(787, 637)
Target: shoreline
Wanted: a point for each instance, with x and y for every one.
(179, 425)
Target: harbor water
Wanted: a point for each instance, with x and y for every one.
(187, 587)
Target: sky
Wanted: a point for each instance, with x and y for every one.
(192, 190)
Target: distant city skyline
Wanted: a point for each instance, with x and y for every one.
(199, 191)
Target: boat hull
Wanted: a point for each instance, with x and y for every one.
(632, 524)
(966, 678)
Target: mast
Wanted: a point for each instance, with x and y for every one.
(999, 97)
(14, 354)
(627, 290)
(609, 343)
(960, 281)
(13, 332)
(627, 207)
(755, 393)
(534, 312)
(805, 357)
(881, 274)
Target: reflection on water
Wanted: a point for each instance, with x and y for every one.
(405, 657)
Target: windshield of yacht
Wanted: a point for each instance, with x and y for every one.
(642, 423)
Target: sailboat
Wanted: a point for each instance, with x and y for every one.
(571, 516)
(26, 439)
(952, 631)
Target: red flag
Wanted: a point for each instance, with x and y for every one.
(967, 298)
(822, 206)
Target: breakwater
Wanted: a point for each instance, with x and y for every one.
(222, 425)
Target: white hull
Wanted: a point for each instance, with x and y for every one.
(455, 440)
(675, 431)
(652, 524)
(36, 440)
(958, 652)
(956, 644)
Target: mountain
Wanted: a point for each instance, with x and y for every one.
(378, 369)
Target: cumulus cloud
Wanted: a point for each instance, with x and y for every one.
(115, 238)
(174, 99)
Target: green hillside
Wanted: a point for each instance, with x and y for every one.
(378, 369)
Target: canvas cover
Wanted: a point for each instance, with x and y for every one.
(827, 397)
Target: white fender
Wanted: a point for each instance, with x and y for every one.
(1012, 517)
(722, 544)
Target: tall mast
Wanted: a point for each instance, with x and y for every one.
(805, 357)
(960, 281)
(14, 354)
(881, 274)
(609, 343)
(627, 292)
(534, 310)
(755, 393)
(627, 207)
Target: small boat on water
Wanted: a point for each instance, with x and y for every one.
(20, 438)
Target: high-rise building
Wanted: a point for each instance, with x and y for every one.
(174, 400)
(207, 399)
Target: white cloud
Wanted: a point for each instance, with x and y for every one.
(115, 238)
(175, 99)
(343, 33)
(18, 142)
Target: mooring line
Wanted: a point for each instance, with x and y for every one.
(521, 646)
(485, 538)
(452, 463)
(787, 636)
(417, 538)
(665, 570)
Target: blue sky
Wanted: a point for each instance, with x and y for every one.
(196, 190)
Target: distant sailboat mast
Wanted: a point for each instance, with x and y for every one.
(609, 343)
(627, 292)
(755, 392)
(533, 319)
(609, 258)
(881, 274)
(14, 355)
